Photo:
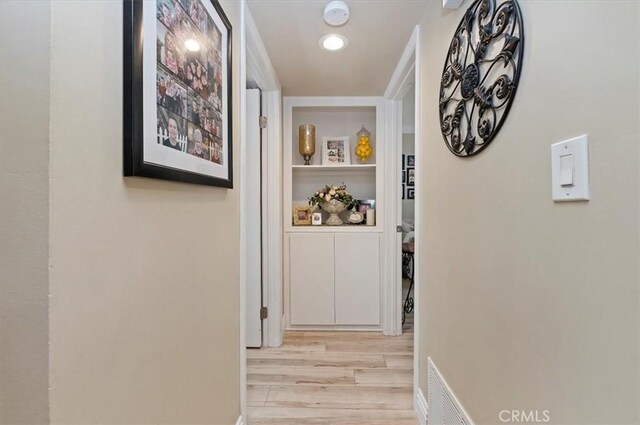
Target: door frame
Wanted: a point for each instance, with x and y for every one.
(261, 71)
(256, 65)
(408, 69)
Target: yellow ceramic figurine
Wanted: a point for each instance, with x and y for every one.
(364, 149)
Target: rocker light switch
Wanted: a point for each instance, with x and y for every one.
(566, 170)
(570, 170)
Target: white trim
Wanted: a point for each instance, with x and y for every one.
(408, 67)
(392, 312)
(259, 67)
(397, 87)
(240, 421)
(336, 328)
(242, 297)
(417, 212)
(421, 407)
(260, 70)
(272, 254)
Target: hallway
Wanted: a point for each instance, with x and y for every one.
(333, 378)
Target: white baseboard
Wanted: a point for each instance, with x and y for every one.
(421, 407)
(240, 421)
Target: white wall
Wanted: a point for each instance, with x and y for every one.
(24, 211)
(545, 295)
(144, 321)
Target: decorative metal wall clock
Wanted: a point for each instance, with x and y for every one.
(481, 75)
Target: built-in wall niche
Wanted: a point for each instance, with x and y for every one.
(336, 293)
(333, 122)
(360, 183)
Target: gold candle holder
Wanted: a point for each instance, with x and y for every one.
(307, 141)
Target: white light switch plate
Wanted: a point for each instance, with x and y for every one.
(578, 175)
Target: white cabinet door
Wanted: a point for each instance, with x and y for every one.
(311, 274)
(357, 279)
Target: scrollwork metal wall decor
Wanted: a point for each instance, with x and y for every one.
(480, 75)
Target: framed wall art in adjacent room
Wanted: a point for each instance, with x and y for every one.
(411, 193)
(177, 91)
(411, 177)
(411, 160)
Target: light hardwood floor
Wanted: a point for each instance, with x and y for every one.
(333, 378)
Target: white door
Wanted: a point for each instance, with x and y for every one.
(357, 278)
(253, 220)
(311, 274)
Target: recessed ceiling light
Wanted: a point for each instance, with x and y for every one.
(334, 42)
(192, 45)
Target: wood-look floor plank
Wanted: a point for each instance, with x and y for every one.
(398, 361)
(340, 397)
(263, 358)
(359, 346)
(384, 377)
(300, 376)
(316, 416)
(257, 395)
(299, 347)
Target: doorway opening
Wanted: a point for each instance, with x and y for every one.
(407, 207)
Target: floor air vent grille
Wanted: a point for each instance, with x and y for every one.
(444, 408)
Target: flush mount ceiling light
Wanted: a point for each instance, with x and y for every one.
(334, 42)
(336, 13)
(192, 45)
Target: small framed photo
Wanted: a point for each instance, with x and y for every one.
(365, 204)
(411, 193)
(411, 177)
(302, 215)
(403, 162)
(335, 151)
(403, 191)
(404, 177)
(316, 219)
(411, 160)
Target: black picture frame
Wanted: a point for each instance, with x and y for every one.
(411, 177)
(411, 193)
(217, 170)
(411, 161)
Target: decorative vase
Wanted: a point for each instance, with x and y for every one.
(307, 142)
(334, 208)
(364, 149)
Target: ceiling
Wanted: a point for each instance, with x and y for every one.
(378, 31)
